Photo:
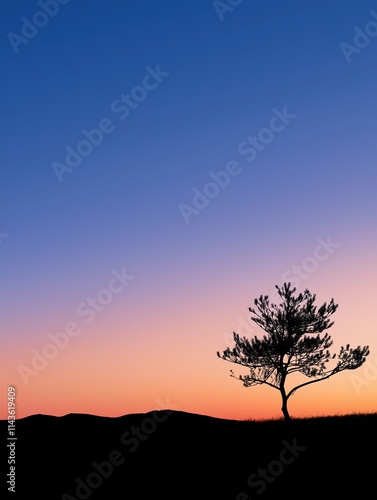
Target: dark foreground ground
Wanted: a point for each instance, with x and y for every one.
(176, 455)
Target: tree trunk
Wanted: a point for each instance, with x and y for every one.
(284, 399)
(284, 409)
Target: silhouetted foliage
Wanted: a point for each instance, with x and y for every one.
(293, 344)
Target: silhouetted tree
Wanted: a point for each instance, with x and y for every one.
(292, 344)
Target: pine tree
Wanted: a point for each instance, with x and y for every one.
(292, 344)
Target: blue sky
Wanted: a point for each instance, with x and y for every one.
(224, 78)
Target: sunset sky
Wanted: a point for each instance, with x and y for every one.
(235, 149)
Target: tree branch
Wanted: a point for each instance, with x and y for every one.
(308, 383)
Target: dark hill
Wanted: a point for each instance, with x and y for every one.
(176, 455)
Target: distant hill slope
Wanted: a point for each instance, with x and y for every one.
(177, 455)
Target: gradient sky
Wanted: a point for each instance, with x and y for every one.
(154, 343)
